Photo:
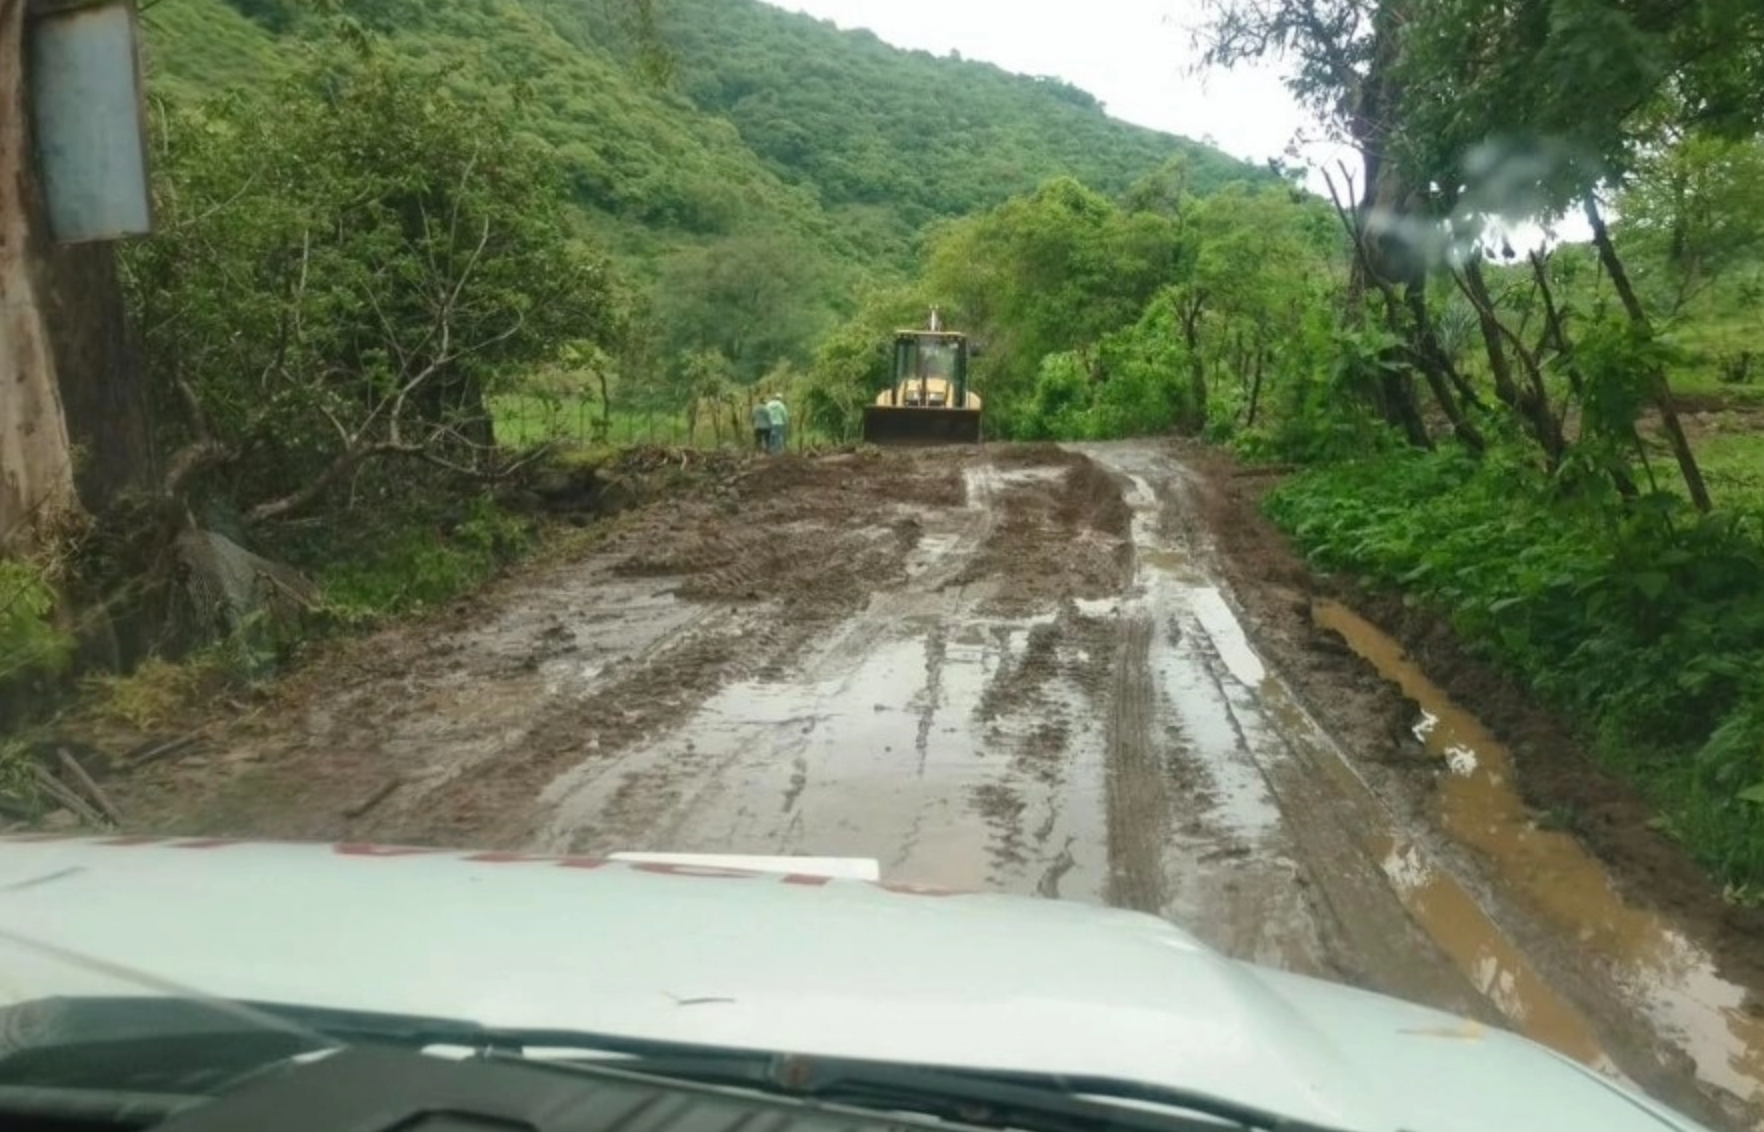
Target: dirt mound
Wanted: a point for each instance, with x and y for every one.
(1092, 498)
(1033, 455)
(1055, 539)
(628, 479)
(816, 533)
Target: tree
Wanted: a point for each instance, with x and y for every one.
(347, 268)
(73, 425)
(1563, 105)
(1349, 55)
(1695, 207)
(755, 299)
(1047, 274)
(36, 453)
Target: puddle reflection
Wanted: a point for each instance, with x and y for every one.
(1673, 979)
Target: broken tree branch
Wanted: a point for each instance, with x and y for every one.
(89, 785)
(69, 801)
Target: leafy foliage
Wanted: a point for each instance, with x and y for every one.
(927, 138)
(1646, 622)
(1103, 319)
(766, 149)
(1046, 274)
(348, 263)
(30, 639)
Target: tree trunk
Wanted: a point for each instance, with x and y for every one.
(1255, 395)
(1189, 311)
(1531, 402)
(103, 378)
(1661, 391)
(36, 453)
(1437, 369)
(605, 406)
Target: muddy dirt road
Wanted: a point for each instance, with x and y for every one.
(1014, 669)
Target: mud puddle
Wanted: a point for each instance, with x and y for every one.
(1277, 788)
(947, 728)
(1645, 957)
(1196, 832)
(883, 756)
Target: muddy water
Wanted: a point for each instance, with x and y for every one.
(1238, 818)
(882, 757)
(969, 725)
(922, 733)
(1643, 955)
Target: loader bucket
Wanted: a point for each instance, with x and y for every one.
(889, 424)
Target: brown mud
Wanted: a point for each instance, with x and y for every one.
(1606, 909)
(1092, 673)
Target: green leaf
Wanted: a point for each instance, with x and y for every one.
(1752, 794)
(1652, 584)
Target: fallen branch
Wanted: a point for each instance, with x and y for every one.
(57, 790)
(346, 462)
(385, 791)
(153, 752)
(89, 785)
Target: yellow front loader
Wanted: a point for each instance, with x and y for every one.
(929, 402)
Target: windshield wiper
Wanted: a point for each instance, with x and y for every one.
(1033, 1102)
(1039, 1102)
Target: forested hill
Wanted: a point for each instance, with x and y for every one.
(771, 121)
(867, 124)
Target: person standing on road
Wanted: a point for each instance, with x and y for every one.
(780, 420)
(762, 426)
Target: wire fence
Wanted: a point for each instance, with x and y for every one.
(524, 419)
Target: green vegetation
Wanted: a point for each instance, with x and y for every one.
(1497, 433)
(402, 241)
(399, 244)
(1101, 318)
(746, 157)
(1643, 622)
(890, 141)
(32, 640)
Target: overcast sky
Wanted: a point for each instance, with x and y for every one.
(1134, 55)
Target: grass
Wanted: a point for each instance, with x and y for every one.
(1710, 333)
(1733, 462)
(194, 47)
(157, 693)
(1647, 634)
(523, 420)
(434, 550)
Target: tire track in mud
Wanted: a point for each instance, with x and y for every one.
(931, 697)
(1013, 669)
(650, 800)
(931, 729)
(772, 580)
(1139, 809)
(1380, 885)
(1247, 812)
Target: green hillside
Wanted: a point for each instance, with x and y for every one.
(871, 127)
(778, 148)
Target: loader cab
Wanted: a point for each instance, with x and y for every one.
(928, 400)
(930, 370)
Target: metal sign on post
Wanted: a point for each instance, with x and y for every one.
(88, 119)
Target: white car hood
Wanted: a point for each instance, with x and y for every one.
(801, 963)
